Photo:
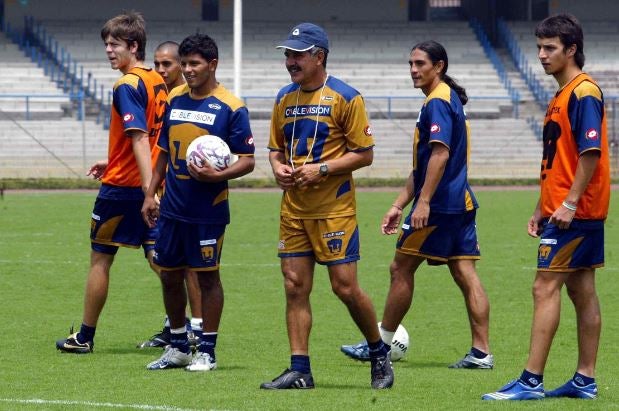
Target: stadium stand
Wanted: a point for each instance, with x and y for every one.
(19, 78)
(374, 61)
(43, 148)
(601, 50)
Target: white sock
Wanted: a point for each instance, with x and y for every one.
(181, 330)
(196, 323)
(166, 322)
(387, 336)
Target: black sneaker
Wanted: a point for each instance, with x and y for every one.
(72, 345)
(382, 372)
(290, 379)
(160, 340)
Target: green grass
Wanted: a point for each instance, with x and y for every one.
(44, 251)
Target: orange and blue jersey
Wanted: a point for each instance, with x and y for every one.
(575, 123)
(314, 127)
(442, 121)
(139, 99)
(221, 114)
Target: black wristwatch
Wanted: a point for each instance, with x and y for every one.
(324, 169)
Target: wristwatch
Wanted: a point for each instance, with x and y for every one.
(324, 169)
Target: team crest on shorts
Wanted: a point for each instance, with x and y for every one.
(281, 245)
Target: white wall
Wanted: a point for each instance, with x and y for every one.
(253, 10)
(589, 10)
(101, 10)
(318, 10)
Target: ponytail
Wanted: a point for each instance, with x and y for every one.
(460, 91)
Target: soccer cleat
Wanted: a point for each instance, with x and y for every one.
(516, 391)
(290, 380)
(202, 361)
(171, 358)
(382, 372)
(161, 339)
(72, 345)
(359, 352)
(572, 390)
(471, 362)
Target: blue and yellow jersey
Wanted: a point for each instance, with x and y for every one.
(442, 120)
(575, 123)
(309, 129)
(138, 104)
(219, 113)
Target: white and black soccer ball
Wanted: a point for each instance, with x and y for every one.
(399, 344)
(214, 149)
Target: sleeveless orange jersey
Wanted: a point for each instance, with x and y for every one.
(575, 123)
(138, 104)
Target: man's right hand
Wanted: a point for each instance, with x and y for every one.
(283, 176)
(97, 169)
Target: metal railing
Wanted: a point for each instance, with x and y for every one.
(76, 99)
(496, 63)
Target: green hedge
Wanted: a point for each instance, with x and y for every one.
(84, 183)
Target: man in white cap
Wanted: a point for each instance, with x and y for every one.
(320, 134)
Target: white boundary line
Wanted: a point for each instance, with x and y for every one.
(39, 401)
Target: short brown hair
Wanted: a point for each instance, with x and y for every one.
(130, 27)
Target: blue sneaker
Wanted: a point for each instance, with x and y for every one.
(572, 390)
(516, 391)
(359, 352)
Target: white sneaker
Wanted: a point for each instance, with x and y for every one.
(202, 362)
(171, 358)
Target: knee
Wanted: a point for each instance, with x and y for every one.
(209, 280)
(344, 291)
(399, 277)
(543, 291)
(581, 295)
(171, 280)
(294, 285)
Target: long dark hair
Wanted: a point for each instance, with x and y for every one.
(437, 52)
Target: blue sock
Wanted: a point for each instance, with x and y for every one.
(582, 380)
(378, 349)
(478, 353)
(300, 363)
(86, 334)
(208, 343)
(179, 339)
(530, 379)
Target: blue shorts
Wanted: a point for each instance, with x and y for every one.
(330, 240)
(446, 237)
(578, 247)
(118, 223)
(188, 245)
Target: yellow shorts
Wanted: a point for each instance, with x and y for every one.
(330, 240)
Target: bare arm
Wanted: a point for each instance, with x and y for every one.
(434, 174)
(309, 174)
(587, 163)
(533, 227)
(141, 151)
(150, 208)
(392, 217)
(244, 165)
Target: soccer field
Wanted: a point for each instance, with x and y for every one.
(44, 258)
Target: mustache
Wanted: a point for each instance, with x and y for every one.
(293, 68)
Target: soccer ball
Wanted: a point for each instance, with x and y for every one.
(399, 344)
(214, 149)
